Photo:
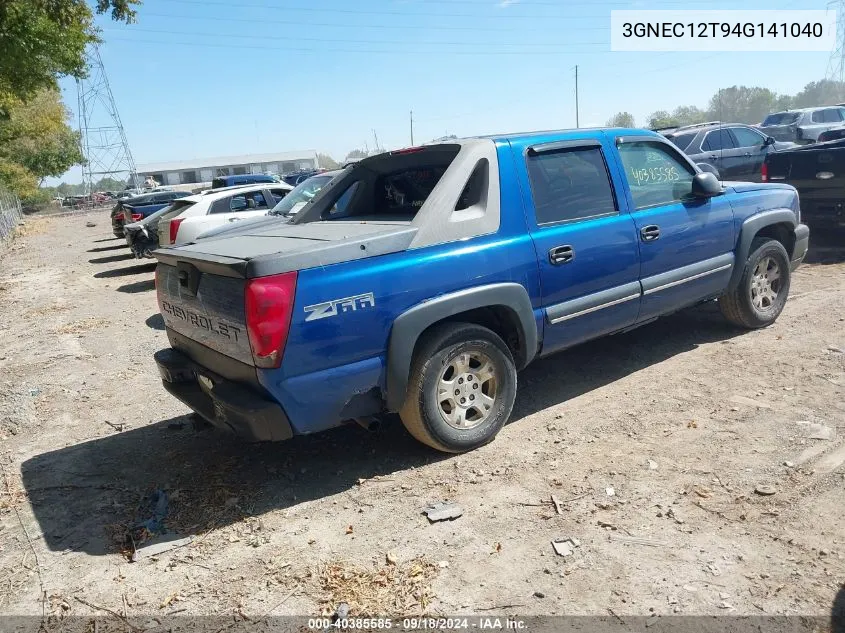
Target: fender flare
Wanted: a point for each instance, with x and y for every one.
(409, 326)
(750, 227)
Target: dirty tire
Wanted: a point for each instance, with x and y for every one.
(738, 306)
(442, 350)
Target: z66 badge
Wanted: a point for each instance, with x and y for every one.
(340, 306)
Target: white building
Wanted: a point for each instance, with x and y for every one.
(184, 172)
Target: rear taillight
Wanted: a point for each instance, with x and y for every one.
(174, 229)
(764, 173)
(119, 216)
(136, 217)
(269, 305)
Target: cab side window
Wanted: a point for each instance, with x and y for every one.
(656, 174)
(718, 139)
(570, 184)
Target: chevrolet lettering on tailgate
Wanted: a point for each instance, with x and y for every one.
(220, 328)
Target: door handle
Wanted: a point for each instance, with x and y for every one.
(233, 219)
(650, 233)
(714, 157)
(561, 255)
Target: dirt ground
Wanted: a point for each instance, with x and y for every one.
(653, 442)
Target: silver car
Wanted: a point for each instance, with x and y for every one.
(803, 125)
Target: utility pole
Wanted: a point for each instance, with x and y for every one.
(102, 137)
(836, 63)
(412, 128)
(577, 121)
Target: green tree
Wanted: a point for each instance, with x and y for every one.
(356, 153)
(36, 142)
(659, 119)
(741, 104)
(327, 162)
(621, 119)
(689, 115)
(41, 40)
(819, 93)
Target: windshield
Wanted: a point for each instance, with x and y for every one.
(301, 195)
(781, 118)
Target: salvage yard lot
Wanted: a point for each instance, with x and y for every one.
(653, 441)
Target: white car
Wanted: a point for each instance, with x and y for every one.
(188, 218)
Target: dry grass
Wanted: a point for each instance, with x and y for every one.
(48, 310)
(33, 226)
(390, 590)
(85, 325)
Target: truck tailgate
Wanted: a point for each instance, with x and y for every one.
(281, 247)
(208, 309)
(817, 173)
(201, 286)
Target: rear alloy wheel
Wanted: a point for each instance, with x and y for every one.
(761, 294)
(461, 389)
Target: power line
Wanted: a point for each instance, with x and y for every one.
(438, 14)
(322, 49)
(338, 40)
(393, 27)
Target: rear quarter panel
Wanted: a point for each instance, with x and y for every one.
(318, 350)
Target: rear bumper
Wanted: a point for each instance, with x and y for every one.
(224, 403)
(802, 244)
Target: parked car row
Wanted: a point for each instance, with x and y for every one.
(734, 151)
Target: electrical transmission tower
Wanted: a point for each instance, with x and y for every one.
(836, 64)
(104, 143)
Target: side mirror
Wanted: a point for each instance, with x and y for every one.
(769, 141)
(706, 185)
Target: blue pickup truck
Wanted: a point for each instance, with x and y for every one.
(420, 281)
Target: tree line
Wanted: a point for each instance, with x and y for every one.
(40, 41)
(740, 104)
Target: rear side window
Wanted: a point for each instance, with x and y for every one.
(747, 138)
(718, 139)
(250, 201)
(682, 141)
(570, 184)
(781, 118)
(404, 192)
(828, 115)
(655, 173)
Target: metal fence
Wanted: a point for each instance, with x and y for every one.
(10, 214)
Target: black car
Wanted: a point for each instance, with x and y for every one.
(734, 150)
(118, 218)
(296, 177)
(817, 171)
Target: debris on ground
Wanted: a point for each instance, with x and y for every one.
(160, 544)
(383, 591)
(442, 511)
(557, 504)
(652, 465)
(610, 491)
(765, 489)
(566, 546)
(815, 431)
(90, 225)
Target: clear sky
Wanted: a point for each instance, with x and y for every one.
(203, 78)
